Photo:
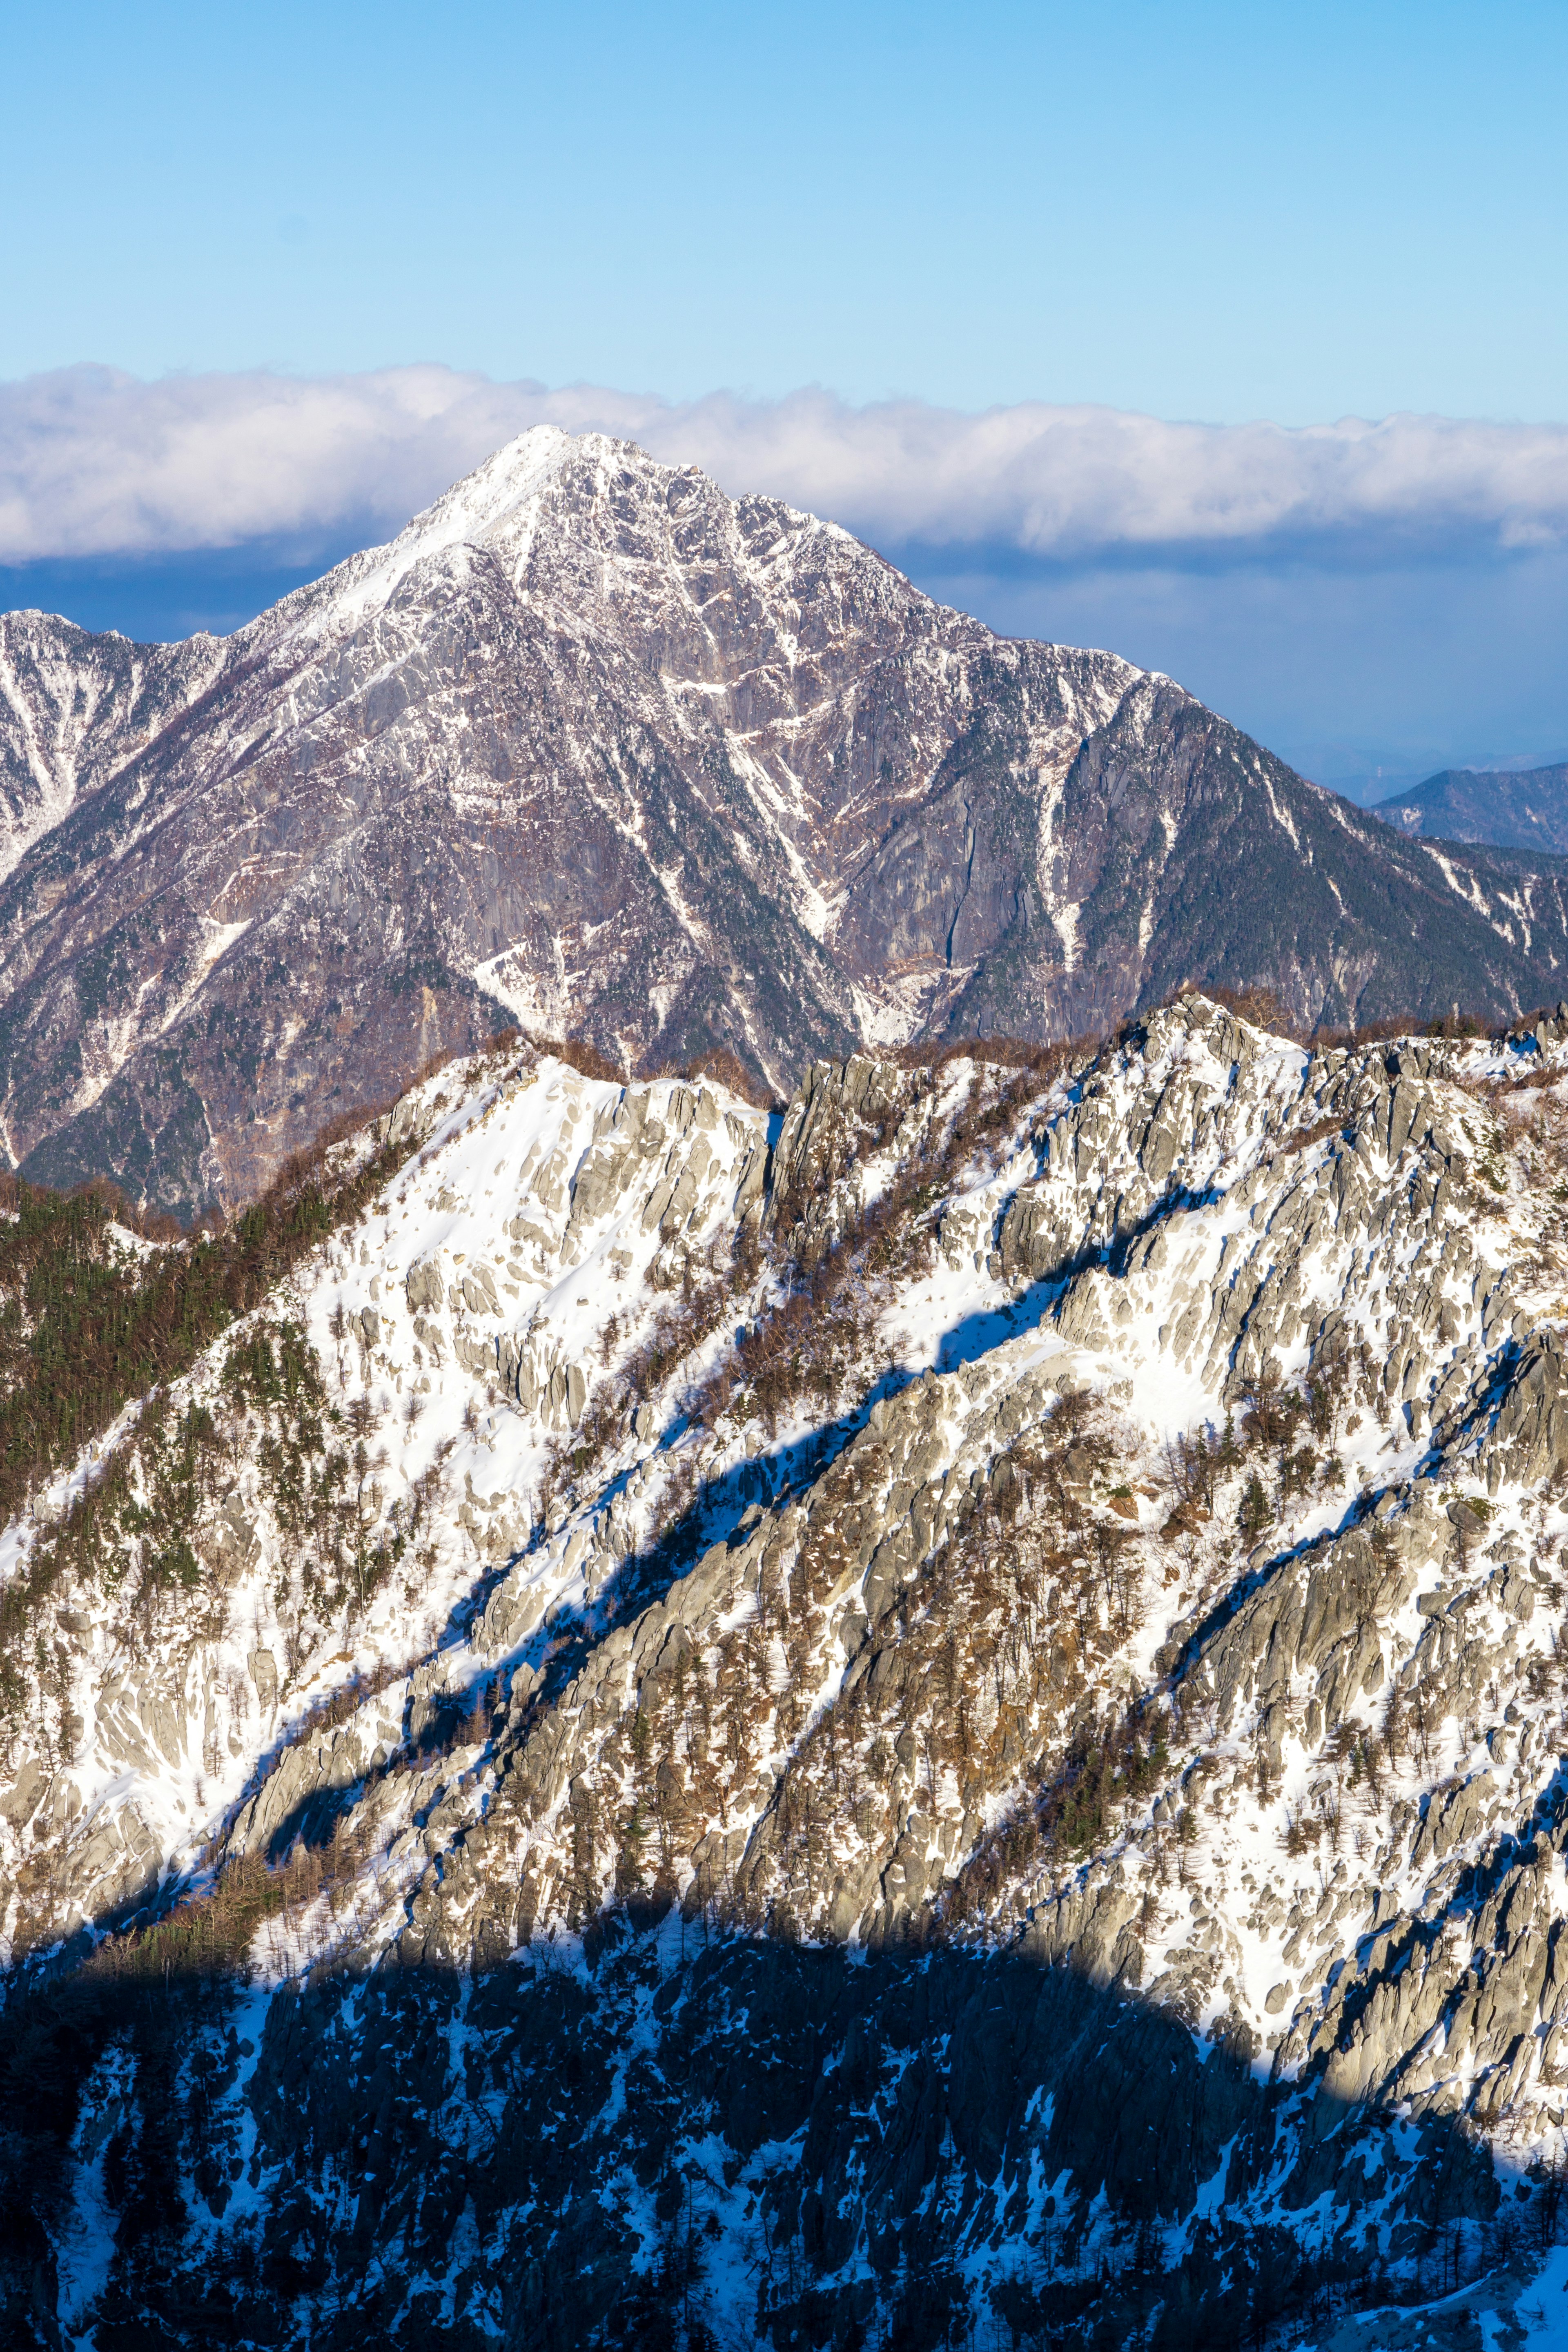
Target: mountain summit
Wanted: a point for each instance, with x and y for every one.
(593, 747)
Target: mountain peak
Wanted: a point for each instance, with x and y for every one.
(495, 505)
(577, 501)
(593, 747)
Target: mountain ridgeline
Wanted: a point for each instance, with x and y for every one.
(596, 749)
(1517, 809)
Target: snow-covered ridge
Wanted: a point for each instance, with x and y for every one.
(499, 509)
(496, 505)
(806, 1505)
(488, 1270)
(481, 1288)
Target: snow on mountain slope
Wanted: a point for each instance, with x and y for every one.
(830, 682)
(75, 708)
(481, 1225)
(951, 1702)
(593, 746)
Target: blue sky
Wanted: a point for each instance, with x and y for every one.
(1214, 213)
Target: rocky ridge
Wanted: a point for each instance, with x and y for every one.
(593, 747)
(946, 1704)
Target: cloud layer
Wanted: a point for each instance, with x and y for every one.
(94, 463)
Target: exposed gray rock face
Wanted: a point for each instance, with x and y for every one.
(76, 709)
(981, 1672)
(593, 747)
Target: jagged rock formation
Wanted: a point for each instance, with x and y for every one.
(593, 747)
(949, 1704)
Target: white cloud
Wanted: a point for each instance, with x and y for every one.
(95, 463)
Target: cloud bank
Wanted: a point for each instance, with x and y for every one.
(95, 464)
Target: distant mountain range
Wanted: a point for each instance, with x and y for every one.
(594, 748)
(1516, 809)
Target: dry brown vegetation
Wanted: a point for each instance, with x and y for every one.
(974, 1675)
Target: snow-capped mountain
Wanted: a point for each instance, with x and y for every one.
(938, 1714)
(594, 748)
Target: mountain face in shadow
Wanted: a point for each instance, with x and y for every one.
(1517, 809)
(741, 2141)
(594, 747)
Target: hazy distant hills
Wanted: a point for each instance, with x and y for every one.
(1523, 809)
(593, 747)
